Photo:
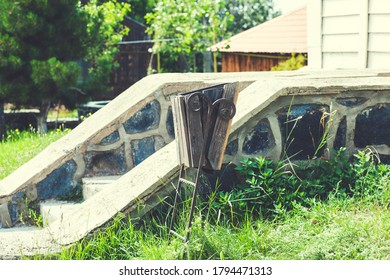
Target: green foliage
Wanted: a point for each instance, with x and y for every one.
(249, 13)
(272, 189)
(139, 8)
(183, 28)
(42, 44)
(293, 63)
(106, 31)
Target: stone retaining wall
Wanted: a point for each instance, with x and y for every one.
(295, 124)
(279, 110)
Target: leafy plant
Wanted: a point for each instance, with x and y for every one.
(294, 63)
(271, 189)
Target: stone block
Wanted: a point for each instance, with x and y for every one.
(372, 126)
(16, 206)
(232, 148)
(341, 135)
(259, 140)
(147, 118)
(142, 149)
(59, 183)
(351, 101)
(302, 129)
(5, 219)
(169, 123)
(110, 139)
(105, 163)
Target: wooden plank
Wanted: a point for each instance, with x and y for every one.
(184, 132)
(221, 130)
(195, 130)
(176, 128)
(179, 119)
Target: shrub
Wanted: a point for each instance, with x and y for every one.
(270, 189)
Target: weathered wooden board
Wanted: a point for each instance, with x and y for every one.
(195, 127)
(194, 133)
(221, 129)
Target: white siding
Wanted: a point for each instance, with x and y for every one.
(349, 33)
(339, 8)
(379, 42)
(379, 60)
(340, 43)
(379, 23)
(340, 60)
(379, 7)
(340, 24)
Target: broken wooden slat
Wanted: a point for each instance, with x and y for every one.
(222, 126)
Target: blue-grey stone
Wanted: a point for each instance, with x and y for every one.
(147, 118)
(110, 139)
(351, 101)
(341, 135)
(18, 196)
(232, 148)
(14, 206)
(169, 123)
(259, 140)
(13, 211)
(105, 163)
(372, 126)
(142, 149)
(58, 183)
(384, 159)
(302, 130)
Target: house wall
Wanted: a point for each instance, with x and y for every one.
(349, 33)
(240, 62)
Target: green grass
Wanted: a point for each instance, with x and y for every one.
(21, 146)
(337, 226)
(334, 230)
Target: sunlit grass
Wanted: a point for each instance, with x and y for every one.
(21, 146)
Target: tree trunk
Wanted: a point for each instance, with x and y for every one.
(2, 120)
(42, 117)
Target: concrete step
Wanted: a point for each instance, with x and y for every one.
(93, 185)
(53, 210)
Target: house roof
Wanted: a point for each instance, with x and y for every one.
(283, 34)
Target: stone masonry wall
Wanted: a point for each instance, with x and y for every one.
(294, 125)
(139, 122)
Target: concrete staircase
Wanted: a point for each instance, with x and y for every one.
(64, 223)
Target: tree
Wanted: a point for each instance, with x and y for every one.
(249, 13)
(183, 28)
(42, 44)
